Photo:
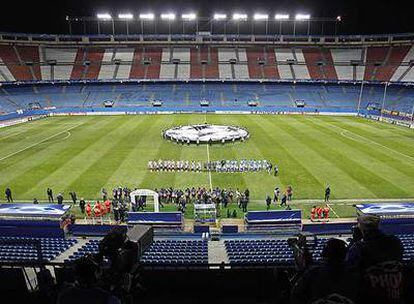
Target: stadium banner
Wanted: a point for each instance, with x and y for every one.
(103, 113)
(392, 121)
(155, 218)
(272, 217)
(8, 123)
(33, 210)
(233, 112)
(387, 208)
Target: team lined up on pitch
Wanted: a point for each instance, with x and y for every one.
(244, 165)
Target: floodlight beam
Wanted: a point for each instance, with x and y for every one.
(238, 16)
(126, 16)
(188, 16)
(146, 16)
(282, 17)
(104, 16)
(260, 17)
(220, 16)
(302, 17)
(168, 16)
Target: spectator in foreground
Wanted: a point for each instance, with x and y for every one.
(378, 257)
(85, 289)
(329, 282)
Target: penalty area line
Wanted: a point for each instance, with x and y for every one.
(42, 141)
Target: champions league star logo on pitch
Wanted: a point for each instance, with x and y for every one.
(205, 133)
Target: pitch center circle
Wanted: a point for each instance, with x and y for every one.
(206, 133)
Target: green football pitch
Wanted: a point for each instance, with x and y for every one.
(361, 160)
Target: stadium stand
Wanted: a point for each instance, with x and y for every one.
(42, 62)
(26, 249)
(91, 247)
(176, 252)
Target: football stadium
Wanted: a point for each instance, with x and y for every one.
(249, 156)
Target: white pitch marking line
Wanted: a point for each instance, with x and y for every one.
(12, 134)
(208, 157)
(333, 211)
(369, 140)
(209, 172)
(40, 142)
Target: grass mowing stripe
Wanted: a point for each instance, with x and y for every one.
(36, 136)
(292, 171)
(376, 126)
(387, 165)
(37, 161)
(336, 171)
(166, 150)
(337, 148)
(399, 147)
(132, 169)
(228, 152)
(107, 160)
(40, 142)
(322, 165)
(50, 169)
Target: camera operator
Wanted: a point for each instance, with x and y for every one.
(86, 287)
(328, 282)
(123, 261)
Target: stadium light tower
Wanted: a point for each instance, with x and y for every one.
(239, 17)
(281, 18)
(301, 18)
(261, 17)
(170, 17)
(189, 16)
(145, 17)
(105, 17)
(219, 17)
(127, 17)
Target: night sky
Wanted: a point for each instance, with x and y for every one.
(359, 16)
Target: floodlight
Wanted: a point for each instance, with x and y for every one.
(168, 16)
(220, 17)
(104, 16)
(189, 16)
(126, 16)
(302, 17)
(148, 16)
(339, 18)
(238, 16)
(260, 17)
(282, 17)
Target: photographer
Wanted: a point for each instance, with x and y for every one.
(378, 257)
(328, 282)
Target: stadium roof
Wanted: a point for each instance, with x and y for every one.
(359, 17)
